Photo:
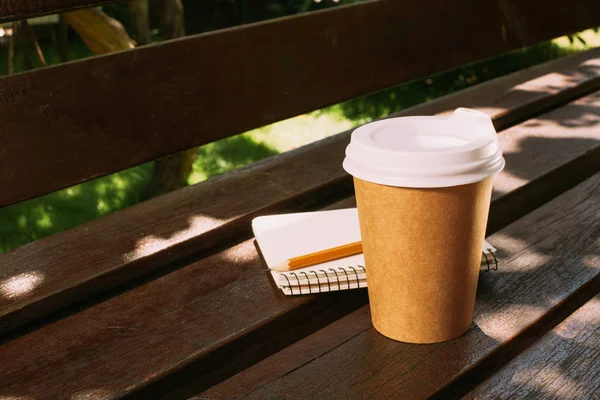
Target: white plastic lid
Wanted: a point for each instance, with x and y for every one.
(423, 152)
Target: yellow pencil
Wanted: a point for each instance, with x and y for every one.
(319, 257)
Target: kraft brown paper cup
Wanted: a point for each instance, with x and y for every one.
(422, 249)
(423, 188)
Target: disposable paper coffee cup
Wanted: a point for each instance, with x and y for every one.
(423, 188)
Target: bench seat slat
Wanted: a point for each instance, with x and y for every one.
(548, 269)
(85, 119)
(219, 314)
(563, 364)
(114, 249)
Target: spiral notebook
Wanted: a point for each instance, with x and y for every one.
(284, 236)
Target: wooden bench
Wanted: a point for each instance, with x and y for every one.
(561, 364)
(169, 298)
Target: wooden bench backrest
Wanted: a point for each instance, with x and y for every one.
(69, 123)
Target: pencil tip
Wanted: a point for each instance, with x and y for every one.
(281, 267)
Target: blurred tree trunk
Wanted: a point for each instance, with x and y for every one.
(31, 39)
(24, 45)
(141, 18)
(171, 18)
(22, 40)
(101, 33)
(11, 49)
(63, 40)
(170, 172)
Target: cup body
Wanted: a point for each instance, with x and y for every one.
(423, 187)
(422, 249)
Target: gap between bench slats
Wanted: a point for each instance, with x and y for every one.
(12, 10)
(88, 118)
(562, 365)
(223, 313)
(549, 267)
(96, 256)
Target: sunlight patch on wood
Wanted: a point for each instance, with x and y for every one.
(92, 394)
(523, 256)
(546, 84)
(152, 244)
(502, 325)
(20, 285)
(552, 376)
(584, 317)
(2, 397)
(592, 261)
(242, 253)
(509, 182)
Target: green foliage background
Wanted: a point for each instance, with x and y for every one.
(33, 219)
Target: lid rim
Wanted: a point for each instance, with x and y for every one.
(427, 182)
(422, 163)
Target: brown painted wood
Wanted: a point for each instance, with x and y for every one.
(135, 241)
(218, 315)
(548, 269)
(565, 146)
(562, 365)
(88, 118)
(534, 89)
(12, 10)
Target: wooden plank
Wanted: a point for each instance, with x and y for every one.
(12, 10)
(534, 89)
(217, 315)
(562, 365)
(88, 118)
(570, 135)
(103, 253)
(549, 268)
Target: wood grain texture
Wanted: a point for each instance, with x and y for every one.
(533, 89)
(220, 314)
(133, 242)
(88, 118)
(562, 365)
(549, 267)
(565, 147)
(12, 10)
(222, 308)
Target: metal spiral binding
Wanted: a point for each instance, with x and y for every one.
(297, 281)
(495, 261)
(347, 278)
(491, 264)
(328, 282)
(308, 281)
(319, 286)
(487, 261)
(289, 284)
(355, 274)
(336, 277)
(318, 280)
